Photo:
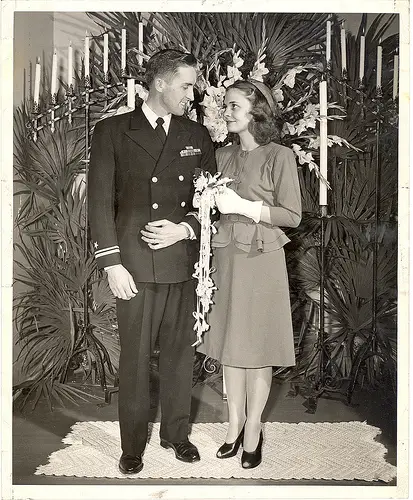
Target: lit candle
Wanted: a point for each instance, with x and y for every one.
(323, 141)
(123, 50)
(37, 82)
(70, 65)
(379, 64)
(328, 42)
(343, 48)
(140, 42)
(396, 75)
(105, 53)
(131, 93)
(87, 42)
(53, 86)
(362, 56)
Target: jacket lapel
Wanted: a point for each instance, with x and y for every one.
(141, 132)
(176, 140)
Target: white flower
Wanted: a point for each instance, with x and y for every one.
(314, 142)
(192, 115)
(278, 95)
(288, 129)
(304, 157)
(217, 128)
(258, 71)
(237, 61)
(233, 74)
(305, 123)
(141, 91)
(289, 78)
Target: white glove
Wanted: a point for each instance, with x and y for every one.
(229, 202)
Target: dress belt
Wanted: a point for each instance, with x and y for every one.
(236, 218)
(259, 239)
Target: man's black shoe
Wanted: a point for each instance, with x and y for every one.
(184, 450)
(129, 464)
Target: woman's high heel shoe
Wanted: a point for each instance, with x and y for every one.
(228, 450)
(253, 459)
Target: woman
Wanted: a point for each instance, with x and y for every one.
(250, 321)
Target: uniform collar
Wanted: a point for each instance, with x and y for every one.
(151, 116)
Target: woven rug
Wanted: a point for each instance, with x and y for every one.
(325, 450)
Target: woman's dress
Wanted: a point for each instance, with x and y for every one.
(250, 320)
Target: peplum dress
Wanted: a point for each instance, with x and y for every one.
(250, 319)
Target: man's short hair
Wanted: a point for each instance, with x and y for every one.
(166, 63)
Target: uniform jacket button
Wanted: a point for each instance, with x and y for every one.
(154, 179)
(155, 206)
(183, 204)
(181, 177)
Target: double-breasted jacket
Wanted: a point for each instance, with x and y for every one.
(133, 179)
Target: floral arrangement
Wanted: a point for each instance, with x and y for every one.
(206, 186)
(299, 131)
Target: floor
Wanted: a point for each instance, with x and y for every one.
(36, 434)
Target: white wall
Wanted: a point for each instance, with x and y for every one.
(33, 37)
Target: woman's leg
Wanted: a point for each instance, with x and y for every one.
(258, 390)
(235, 381)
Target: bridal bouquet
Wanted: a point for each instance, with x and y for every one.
(206, 187)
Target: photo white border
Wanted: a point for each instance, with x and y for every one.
(201, 492)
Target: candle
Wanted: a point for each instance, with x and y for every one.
(379, 64)
(328, 42)
(343, 49)
(140, 42)
(53, 86)
(123, 50)
(105, 53)
(395, 75)
(70, 66)
(323, 141)
(87, 69)
(131, 93)
(37, 82)
(362, 56)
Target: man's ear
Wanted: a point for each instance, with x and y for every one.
(159, 84)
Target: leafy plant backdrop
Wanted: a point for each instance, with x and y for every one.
(55, 341)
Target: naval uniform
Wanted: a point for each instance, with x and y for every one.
(135, 178)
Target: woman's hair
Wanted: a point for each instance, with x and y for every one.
(166, 63)
(264, 124)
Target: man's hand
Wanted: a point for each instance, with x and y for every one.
(163, 233)
(121, 282)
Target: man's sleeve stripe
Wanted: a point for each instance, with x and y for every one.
(107, 251)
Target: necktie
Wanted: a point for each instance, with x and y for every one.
(160, 130)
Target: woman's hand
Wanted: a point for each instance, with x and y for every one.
(229, 202)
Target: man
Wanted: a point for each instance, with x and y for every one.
(142, 166)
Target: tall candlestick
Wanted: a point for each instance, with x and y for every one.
(140, 42)
(362, 56)
(323, 142)
(70, 66)
(131, 93)
(37, 83)
(328, 42)
(123, 50)
(87, 65)
(343, 49)
(379, 64)
(396, 75)
(105, 53)
(53, 85)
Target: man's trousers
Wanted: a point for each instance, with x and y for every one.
(161, 311)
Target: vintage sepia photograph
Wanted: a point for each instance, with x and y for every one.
(205, 215)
